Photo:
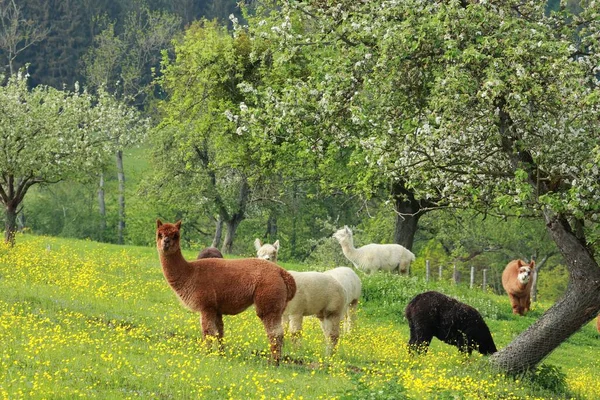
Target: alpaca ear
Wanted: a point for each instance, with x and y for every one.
(257, 244)
(347, 229)
(178, 224)
(276, 245)
(520, 263)
(532, 264)
(158, 223)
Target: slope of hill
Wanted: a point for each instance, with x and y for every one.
(78, 318)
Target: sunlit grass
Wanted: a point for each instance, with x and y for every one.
(80, 319)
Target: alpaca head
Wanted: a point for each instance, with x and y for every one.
(266, 251)
(343, 235)
(525, 271)
(167, 237)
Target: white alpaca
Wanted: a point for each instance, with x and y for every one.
(267, 251)
(374, 257)
(352, 288)
(317, 294)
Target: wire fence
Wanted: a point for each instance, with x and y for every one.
(481, 279)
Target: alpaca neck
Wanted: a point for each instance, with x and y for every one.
(522, 285)
(176, 269)
(348, 249)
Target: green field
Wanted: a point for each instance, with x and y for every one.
(82, 319)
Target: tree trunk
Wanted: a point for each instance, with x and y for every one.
(232, 226)
(271, 233)
(10, 225)
(121, 177)
(406, 228)
(218, 232)
(409, 210)
(102, 206)
(579, 305)
(234, 221)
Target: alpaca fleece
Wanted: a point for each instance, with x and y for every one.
(352, 289)
(374, 257)
(215, 287)
(432, 314)
(320, 295)
(519, 292)
(209, 252)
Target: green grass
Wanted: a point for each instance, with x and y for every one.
(82, 319)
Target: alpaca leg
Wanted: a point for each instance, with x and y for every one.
(270, 302)
(220, 331)
(514, 301)
(331, 329)
(210, 331)
(350, 319)
(295, 326)
(220, 328)
(527, 304)
(274, 330)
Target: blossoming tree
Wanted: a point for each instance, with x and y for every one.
(484, 105)
(47, 135)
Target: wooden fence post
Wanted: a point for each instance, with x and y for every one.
(484, 285)
(440, 272)
(427, 271)
(472, 280)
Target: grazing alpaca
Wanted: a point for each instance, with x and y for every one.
(266, 251)
(374, 257)
(216, 287)
(598, 324)
(432, 314)
(352, 288)
(516, 280)
(317, 294)
(209, 252)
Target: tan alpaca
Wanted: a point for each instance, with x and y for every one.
(267, 251)
(215, 287)
(517, 281)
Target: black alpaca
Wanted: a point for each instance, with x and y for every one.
(432, 314)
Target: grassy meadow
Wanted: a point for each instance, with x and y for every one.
(89, 320)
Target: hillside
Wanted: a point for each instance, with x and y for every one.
(78, 318)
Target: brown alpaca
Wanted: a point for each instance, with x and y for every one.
(209, 252)
(516, 280)
(215, 287)
(598, 323)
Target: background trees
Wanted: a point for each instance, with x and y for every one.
(200, 151)
(124, 65)
(69, 27)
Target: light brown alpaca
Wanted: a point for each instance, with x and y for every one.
(598, 323)
(215, 287)
(516, 280)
